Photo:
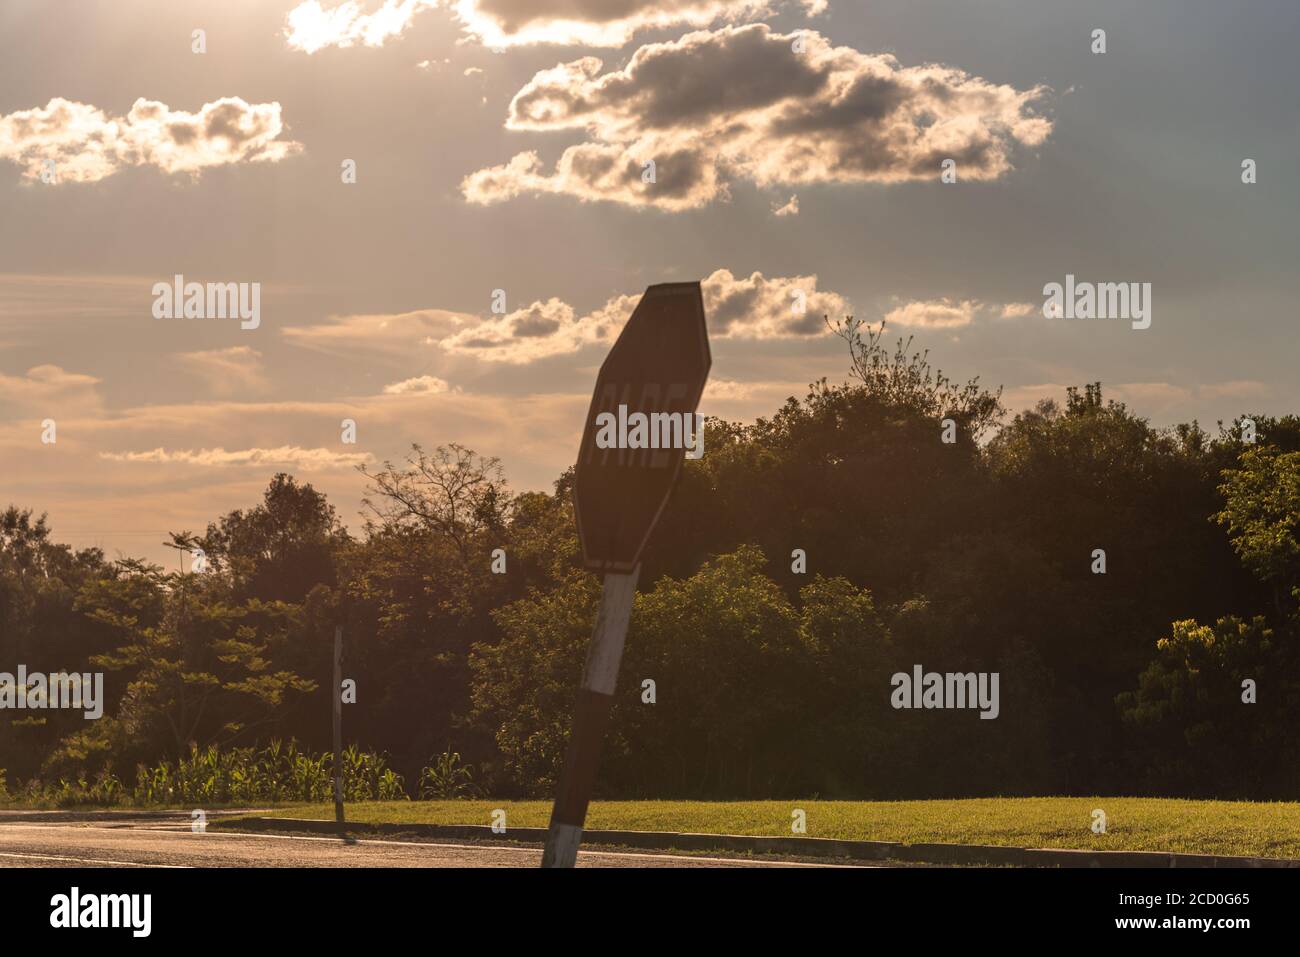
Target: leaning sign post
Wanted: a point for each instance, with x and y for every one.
(641, 421)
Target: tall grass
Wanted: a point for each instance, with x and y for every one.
(208, 776)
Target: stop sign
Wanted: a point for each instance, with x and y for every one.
(658, 365)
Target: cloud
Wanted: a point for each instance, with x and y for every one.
(51, 390)
(729, 390)
(599, 171)
(1021, 397)
(285, 455)
(1164, 399)
(310, 27)
(1235, 389)
(33, 299)
(534, 332)
(945, 313)
(228, 372)
(611, 23)
(745, 307)
(157, 478)
(737, 307)
(739, 103)
(394, 336)
(759, 307)
(791, 208)
(1149, 394)
(424, 385)
(733, 398)
(87, 145)
(933, 313)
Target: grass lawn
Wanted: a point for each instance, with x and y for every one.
(1132, 824)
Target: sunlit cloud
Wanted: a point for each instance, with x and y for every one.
(51, 390)
(737, 307)
(789, 208)
(933, 314)
(86, 145)
(393, 336)
(311, 27)
(946, 313)
(505, 23)
(535, 332)
(233, 371)
(423, 385)
(286, 455)
(739, 103)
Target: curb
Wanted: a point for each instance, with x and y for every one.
(974, 854)
(50, 816)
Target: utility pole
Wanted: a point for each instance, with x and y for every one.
(338, 726)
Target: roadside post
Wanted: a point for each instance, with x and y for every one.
(646, 397)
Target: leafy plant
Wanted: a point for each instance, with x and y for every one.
(446, 777)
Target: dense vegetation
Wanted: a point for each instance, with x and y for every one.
(968, 556)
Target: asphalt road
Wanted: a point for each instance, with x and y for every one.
(151, 843)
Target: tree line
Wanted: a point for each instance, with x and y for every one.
(1176, 672)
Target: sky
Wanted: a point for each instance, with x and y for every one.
(505, 217)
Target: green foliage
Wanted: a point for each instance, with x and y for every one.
(242, 776)
(523, 685)
(1262, 513)
(195, 671)
(447, 778)
(278, 772)
(104, 791)
(753, 666)
(1196, 730)
(905, 380)
(279, 550)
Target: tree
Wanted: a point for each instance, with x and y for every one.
(753, 696)
(190, 671)
(40, 627)
(452, 492)
(1262, 514)
(907, 381)
(1197, 734)
(279, 550)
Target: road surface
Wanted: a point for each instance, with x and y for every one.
(153, 843)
